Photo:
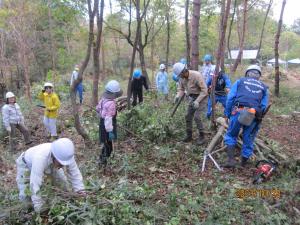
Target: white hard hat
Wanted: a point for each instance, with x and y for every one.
(113, 86)
(253, 67)
(162, 66)
(178, 68)
(47, 84)
(63, 151)
(9, 95)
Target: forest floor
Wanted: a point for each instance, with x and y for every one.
(158, 181)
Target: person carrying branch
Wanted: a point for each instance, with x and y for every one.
(52, 104)
(246, 102)
(107, 111)
(137, 83)
(47, 159)
(13, 119)
(221, 90)
(193, 83)
(79, 86)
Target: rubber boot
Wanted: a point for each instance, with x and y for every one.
(189, 136)
(201, 139)
(244, 161)
(231, 161)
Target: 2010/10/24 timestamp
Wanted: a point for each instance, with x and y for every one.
(254, 193)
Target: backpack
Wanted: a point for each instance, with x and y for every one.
(220, 85)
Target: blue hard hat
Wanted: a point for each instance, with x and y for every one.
(183, 60)
(207, 58)
(137, 73)
(175, 77)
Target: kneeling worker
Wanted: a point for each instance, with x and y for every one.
(47, 158)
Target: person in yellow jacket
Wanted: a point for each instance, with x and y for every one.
(52, 104)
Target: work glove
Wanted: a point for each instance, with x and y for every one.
(195, 104)
(43, 90)
(8, 129)
(176, 99)
(111, 136)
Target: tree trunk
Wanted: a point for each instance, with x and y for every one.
(103, 60)
(168, 36)
(263, 27)
(242, 39)
(27, 76)
(51, 36)
(230, 29)
(195, 35)
(134, 49)
(142, 57)
(187, 33)
(96, 52)
(277, 72)
(225, 9)
(81, 131)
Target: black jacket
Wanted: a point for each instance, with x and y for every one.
(137, 84)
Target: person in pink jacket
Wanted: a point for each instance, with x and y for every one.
(107, 111)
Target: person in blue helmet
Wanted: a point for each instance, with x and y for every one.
(162, 82)
(137, 83)
(246, 102)
(221, 90)
(183, 61)
(208, 68)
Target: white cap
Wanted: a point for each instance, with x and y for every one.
(253, 67)
(9, 95)
(47, 84)
(162, 66)
(63, 151)
(113, 86)
(178, 68)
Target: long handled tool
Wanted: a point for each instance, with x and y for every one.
(177, 104)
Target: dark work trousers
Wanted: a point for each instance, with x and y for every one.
(193, 114)
(12, 135)
(137, 94)
(104, 138)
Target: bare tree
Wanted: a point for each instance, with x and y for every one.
(187, 33)
(241, 32)
(134, 49)
(225, 9)
(81, 131)
(230, 28)
(195, 34)
(168, 35)
(96, 52)
(263, 27)
(277, 72)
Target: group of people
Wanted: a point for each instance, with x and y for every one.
(244, 104)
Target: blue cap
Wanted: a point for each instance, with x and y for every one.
(175, 77)
(137, 73)
(207, 58)
(183, 60)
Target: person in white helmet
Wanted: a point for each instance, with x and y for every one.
(107, 111)
(193, 83)
(162, 82)
(13, 119)
(52, 104)
(47, 159)
(246, 103)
